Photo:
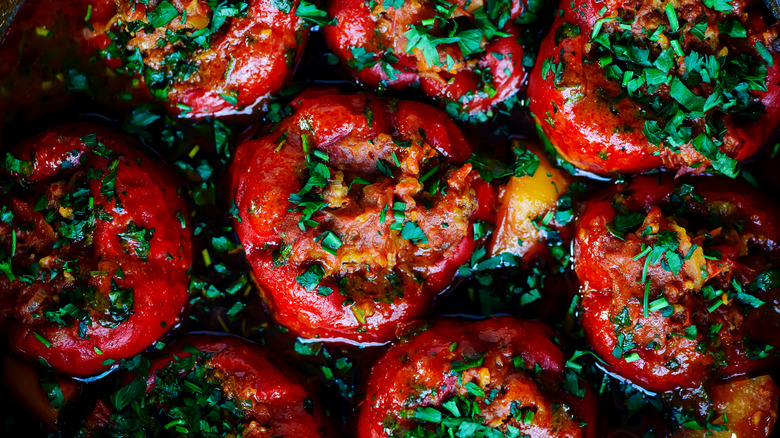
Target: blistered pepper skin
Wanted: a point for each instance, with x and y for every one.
(679, 344)
(375, 278)
(142, 197)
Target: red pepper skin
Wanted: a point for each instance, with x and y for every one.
(576, 116)
(357, 26)
(149, 198)
(267, 171)
(610, 273)
(418, 372)
(276, 396)
(247, 60)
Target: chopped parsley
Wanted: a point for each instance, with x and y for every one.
(311, 278)
(688, 116)
(186, 399)
(411, 231)
(15, 165)
(137, 238)
(311, 13)
(52, 389)
(624, 333)
(308, 200)
(162, 15)
(384, 168)
(330, 242)
(623, 223)
(178, 65)
(489, 168)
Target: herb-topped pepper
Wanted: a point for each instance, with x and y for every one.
(209, 386)
(202, 57)
(355, 212)
(93, 254)
(686, 84)
(671, 273)
(469, 54)
(501, 378)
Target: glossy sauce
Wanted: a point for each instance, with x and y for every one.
(31, 101)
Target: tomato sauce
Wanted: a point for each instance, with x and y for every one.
(55, 70)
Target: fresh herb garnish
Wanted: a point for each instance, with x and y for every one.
(185, 399)
(412, 231)
(689, 115)
(137, 238)
(311, 278)
(308, 200)
(178, 64)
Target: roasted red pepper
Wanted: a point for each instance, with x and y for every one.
(511, 370)
(211, 385)
(95, 249)
(670, 274)
(469, 54)
(354, 213)
(630, 87)
(198, 60)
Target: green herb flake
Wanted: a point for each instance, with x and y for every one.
(428, 414)
(163, 14)
(411, 231)
(330, 242)
(671, 15)
(311, 278)
(53, 391)
(46, 343)
(137, 238)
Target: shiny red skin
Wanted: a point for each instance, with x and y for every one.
(400, 377)
(356, 26)
(605, 289)
(334, 118)
(150, 198)
(584, 130)
(230, 65)
(248, 369)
